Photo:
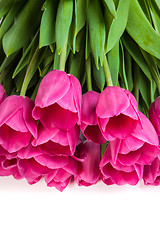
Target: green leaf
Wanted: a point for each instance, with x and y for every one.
(26, 56)
(32, 67)
(8, 20)
(63, 22)
(113, 62)
(119, 24)
(151, 62)
(7, 61)
(140, 29)
(5, 7)
(87, 48)
(81, 14)
(76, 64)
(21, 31)
(80, 39)
(155, 12)
(72, 33)
(144, 87)
(19, 79)
(135, 52)
(111, 6)
(129, 73)
(56, 60)
(99, 76)
(47, 28)
(97, 32)
(122, 70)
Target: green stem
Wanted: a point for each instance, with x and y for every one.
(107, 71)
(27, 77)
(62, 62)
(153, 69)
(88, 74)
(136, 82)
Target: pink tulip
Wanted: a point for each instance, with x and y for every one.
(57, 170)
(117, 173)
(89, 125)
(56, 141)
(88, 154)
(154, 115)
(2, 94)
(126, 157)
(8, 166)
(16, 123)
(117, 113)
(61, 177)
(151, 174)
(58, 101)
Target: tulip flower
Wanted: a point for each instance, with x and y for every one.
(58, 101)
(151, 174)
(126, 157)
(61, 177)
(88, 154)
(117, 113)
(56, 141)
(8, 164)
(57, 170)
(17, 125)
(89, 125)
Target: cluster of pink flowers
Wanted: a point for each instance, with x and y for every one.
(45, 138)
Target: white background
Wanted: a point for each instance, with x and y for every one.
(96, 212)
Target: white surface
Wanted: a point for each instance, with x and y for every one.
(97, 212)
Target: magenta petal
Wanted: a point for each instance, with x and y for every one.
(151, 171)
(67, 102)
(52, 162)
(148, 133)
(130, 143)
(114, 148)
(52, 88)
(51, 148)
(58, 179)
(71, 167)
(73, 135)
(55, 115)
(16, 122)
(129, 159)
(77, 91)
(2, 94)
(93, 133)
(89, 103)
(120, 126)
(12, 140)
(17, 114)
(44, 135)
(139, 170)
(28, 152)
(27, 113)
(88, 170)
(154, 114)
(109, 104)
(9, 108)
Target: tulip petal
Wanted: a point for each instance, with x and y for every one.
(148, 133)
(109, 104)
(89, 103)
(52, 162)
(2, 94)
(12, 140)
(52, 88)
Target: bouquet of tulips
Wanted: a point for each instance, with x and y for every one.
(79, 91)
